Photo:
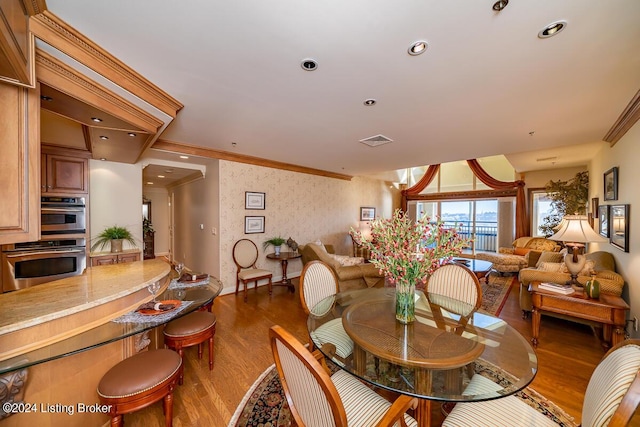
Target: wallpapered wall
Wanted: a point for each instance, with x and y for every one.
(301, 206)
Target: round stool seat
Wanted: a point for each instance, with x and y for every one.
(139, 381)
(190, 324)
(194, 328)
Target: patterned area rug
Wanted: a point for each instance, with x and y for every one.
(265, 405)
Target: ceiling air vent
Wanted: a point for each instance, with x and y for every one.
(375, 141)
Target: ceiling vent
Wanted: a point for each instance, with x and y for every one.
(546, 159)
(375, 141)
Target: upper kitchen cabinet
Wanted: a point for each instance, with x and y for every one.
(19, 164)
(64, 171)
(16, 42)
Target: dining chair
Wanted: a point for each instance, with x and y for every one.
(318, 282)
(611, 398)
(245, 255)
(460, 285)
(318, 399)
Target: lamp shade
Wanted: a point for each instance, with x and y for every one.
(576, 229)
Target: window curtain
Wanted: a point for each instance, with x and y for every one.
(522, 225)
(420, 185)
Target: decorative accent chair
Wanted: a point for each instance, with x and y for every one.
(139, 381)
(245, 255)
(524, 252)
(318, 282)
(317, 399)
(612, 396)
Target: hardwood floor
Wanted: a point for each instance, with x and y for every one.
(567, 354)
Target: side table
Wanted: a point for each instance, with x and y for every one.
(284, 258)
(609, 310)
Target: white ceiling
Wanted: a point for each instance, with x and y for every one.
(485, 82)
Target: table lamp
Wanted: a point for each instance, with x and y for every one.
(575, 231)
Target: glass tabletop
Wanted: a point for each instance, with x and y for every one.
(435, 357)
(194, 295)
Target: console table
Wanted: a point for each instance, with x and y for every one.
(608, 310)
(284, 258)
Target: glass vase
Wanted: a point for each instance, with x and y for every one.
(405, 301)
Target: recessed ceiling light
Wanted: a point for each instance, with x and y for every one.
(370, 102)
(104, 137)
(184, 157)
(168, 171)
(309, 64)
(46, 98)
(160, 176)
(103, 158)
(417, 48)
(552, 29)
(500, 4)
(131, 134)
(96, 119)
(149, 183)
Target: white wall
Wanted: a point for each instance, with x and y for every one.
(626, 155)
(116, 198)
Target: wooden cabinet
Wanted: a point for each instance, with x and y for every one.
(17, 53)
(64, 171)
(109, 258)
(19, 163)
(149, 242)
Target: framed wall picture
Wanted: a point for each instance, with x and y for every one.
(619, 226)
(253, 200)
(603, 220)
(611, 184)
(367, 213)
(253, 224)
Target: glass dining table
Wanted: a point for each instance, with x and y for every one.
(434, 358)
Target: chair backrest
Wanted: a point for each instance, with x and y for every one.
(457, 282)
(613, 393)
(312, 396)
(317, 282)
(245, 253)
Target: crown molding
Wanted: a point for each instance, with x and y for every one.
(52, 30)
(176, 147)
(627, 119)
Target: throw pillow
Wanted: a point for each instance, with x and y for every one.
(346, 261)
(521, 251)
(554, 267)
(546, 256)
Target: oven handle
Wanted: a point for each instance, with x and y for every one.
(67, 251)
(62, 209)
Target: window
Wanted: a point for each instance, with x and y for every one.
(540, 208)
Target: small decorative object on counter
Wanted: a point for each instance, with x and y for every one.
(292, 244)
(592, 287)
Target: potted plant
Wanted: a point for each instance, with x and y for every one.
(275, 242)
(115, 236)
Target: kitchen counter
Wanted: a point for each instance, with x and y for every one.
(41, 315)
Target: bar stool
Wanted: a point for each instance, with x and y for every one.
(192, 329)
(139, 381)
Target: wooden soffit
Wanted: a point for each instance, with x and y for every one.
(176, 147)
(627, 119)
(52, 30)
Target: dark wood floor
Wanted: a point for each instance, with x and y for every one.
(567, 354)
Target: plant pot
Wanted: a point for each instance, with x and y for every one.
(277, 249)
(116, 245)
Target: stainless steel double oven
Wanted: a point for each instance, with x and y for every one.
(61, 252)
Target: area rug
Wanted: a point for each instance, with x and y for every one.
(265, 404)
(496, 292)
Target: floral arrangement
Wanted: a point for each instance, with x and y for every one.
(408, 251)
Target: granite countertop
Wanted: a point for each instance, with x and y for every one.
(98, 285)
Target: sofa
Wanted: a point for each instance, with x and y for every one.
(523, 253)
(550, 268)
(352, 272)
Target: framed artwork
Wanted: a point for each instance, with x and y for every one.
(253, 224)
(611, 184)
(253, 200)
(603, 220)
(367, 214)
(619, 227)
